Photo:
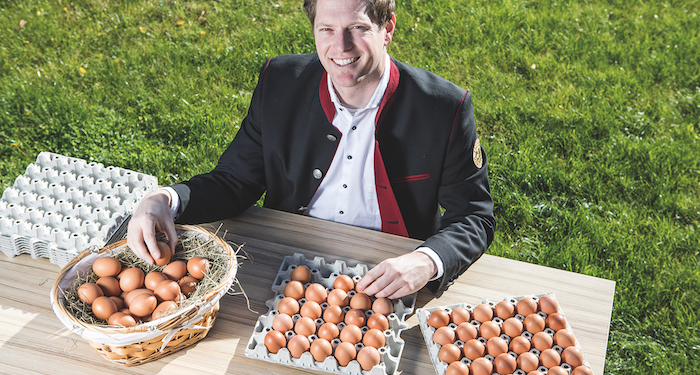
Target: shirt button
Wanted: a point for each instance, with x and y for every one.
(354, 128)
(331, 137)
(317, 174)
(341, 212)
(345, 186)
(349, 157)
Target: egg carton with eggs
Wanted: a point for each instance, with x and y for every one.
(326, 274)
(520, 339)
(63, 205)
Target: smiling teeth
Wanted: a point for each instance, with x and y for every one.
(344, 62)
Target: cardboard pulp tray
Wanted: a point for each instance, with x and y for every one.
(325, 274)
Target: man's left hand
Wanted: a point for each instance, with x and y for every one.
(398, 277)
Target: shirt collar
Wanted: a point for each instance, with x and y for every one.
(378, 93)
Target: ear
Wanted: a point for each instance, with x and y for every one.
(389, 28)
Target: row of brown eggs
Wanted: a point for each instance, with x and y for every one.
(507, 333)
(124, 295)
(331, 322)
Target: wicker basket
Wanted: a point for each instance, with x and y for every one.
(155, 339)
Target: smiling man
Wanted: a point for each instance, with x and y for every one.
(351, 135)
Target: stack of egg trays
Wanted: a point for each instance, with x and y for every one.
(433, 348)
(63, 205)
(326, 273)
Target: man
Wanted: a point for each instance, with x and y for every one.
(350, 135)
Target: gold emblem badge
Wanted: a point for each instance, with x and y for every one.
(476, 154)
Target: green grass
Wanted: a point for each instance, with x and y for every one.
(589, 111)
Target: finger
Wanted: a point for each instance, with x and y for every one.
(150, 239)
(390, 288)
(135, 242)
(404, 291)
(366, 283)
(171, 234)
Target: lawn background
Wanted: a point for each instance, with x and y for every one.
(589, 112)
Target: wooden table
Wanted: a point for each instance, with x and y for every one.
(33, 341)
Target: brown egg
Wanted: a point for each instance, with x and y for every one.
(460, 315)
(489, 329)
(345, 352)
(355, 317)
(519, 345)
(474, 349)
(374, 338)
(526, 306)
(294, 289)
(444, 335)
(120, 319)
(143, 304)
(504, 310)
(333, 314)
(512, 327)
(550, 358)
(117, 301)
(496, 346)
(542, 341)
(439, 318)
(368, 357)
(274, 341)
(131, 278)
(130, 296)
(528, 362)
(301, 273)
(344, 282)
(164, 308)
(176, 270)
(283, 323)
(556, 321)
(168, 290)
(582, 370)
(198, 267)
(328, 331)
(564, 338)
(573, 356)
(482, 312)
(152, 279)
(481, 366)
(165, 254)
(457, 368)
(548, 304)
(316, 292)
(188, 285)
(449, 353)
(466, 331)
(321, 349)
(89, 291)
(351, 334)
(361, 301)
(378, 321)
(288, 305)
(557, 370)
(103, 307)
(505, 364)
(534, 323)
(106, 266)
(109, 285)
(311, 309)
(383, 306)
(338, 297)
(305, 326)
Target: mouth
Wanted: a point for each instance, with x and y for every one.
(344, 62)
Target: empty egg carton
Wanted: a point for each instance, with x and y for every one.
(62, 205)
(325, 274)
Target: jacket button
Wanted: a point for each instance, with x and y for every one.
(318, 174)
(331, 137)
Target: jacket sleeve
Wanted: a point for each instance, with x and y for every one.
(467, 225)
(237, 181)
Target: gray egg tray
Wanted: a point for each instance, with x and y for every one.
(440, 367)
(63, 205)
(325, 274)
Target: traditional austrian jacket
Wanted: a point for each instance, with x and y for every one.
(427, 156)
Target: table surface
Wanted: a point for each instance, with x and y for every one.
(33, 340)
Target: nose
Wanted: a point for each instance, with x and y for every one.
(343, 41)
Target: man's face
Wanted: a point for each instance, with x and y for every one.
(350, 46)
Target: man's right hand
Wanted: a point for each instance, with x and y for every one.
(151, 216)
